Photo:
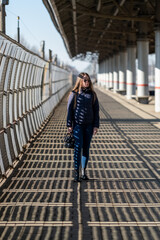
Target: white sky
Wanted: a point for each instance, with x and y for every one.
(35, 26)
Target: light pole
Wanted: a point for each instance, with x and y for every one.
(2, 15)
(18, 31)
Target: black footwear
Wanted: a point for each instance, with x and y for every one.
(76, 176)
(84, 177)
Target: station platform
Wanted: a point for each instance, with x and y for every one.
(121, 199)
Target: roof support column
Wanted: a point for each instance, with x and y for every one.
(157, 71)
(131, 66)
(104, 74)
(99, 74)
(110, 73)
(142, 74)
(107, 73)
(157, 53)
(113, 69)
(131, 72)
(122, 71)
(115, 72)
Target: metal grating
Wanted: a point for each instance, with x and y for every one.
(120, 201)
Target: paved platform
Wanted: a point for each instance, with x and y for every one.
(121, 201)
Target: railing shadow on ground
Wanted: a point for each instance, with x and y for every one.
(120, 201)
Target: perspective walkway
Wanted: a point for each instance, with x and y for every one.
(120, 201)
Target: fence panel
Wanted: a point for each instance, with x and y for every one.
(30, 88)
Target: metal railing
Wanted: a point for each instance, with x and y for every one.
(30, 88)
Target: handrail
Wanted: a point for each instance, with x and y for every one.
(29, 86)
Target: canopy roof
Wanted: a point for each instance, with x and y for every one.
(103, 26)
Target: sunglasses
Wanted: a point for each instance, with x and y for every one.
(86, 80)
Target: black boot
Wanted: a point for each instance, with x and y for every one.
(84, 176)
(76, 176)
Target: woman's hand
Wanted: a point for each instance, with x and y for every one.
(70, 129)
(95, 130)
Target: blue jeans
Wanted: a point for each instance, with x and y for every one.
(83, 135)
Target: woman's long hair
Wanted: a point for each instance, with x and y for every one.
(78, 85)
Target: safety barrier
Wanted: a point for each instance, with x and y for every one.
(30, 88)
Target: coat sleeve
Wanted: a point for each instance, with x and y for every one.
(70, 110)
(96, 113)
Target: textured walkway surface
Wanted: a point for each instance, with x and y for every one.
(120, 201)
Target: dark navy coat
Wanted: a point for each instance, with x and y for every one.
(86, 110)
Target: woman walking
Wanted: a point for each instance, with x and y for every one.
(82, 120)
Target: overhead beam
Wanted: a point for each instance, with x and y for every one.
(109, 45)
(110, 22)
(119, 7)
(93, 25)
(120, 18)
(101, 29)
(104, 39)
(64, 6)
(151, 4)
(100, 47)
(75, 24)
